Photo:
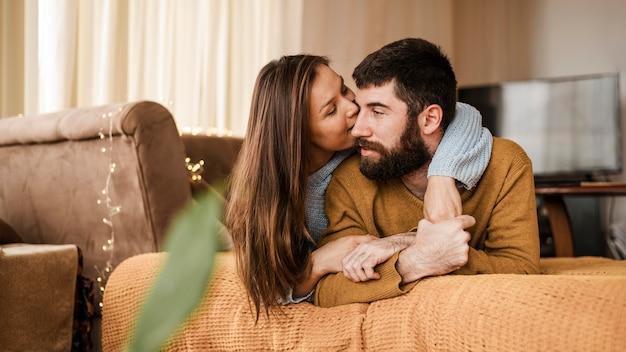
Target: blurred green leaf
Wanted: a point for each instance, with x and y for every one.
(192, 245)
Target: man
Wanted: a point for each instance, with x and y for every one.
(407, 96)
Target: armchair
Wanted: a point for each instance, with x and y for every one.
(105, 179)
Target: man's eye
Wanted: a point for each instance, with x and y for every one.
(344, 90)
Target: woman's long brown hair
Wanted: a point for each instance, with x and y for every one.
(265, 208)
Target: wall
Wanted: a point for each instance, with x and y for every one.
(487, 40)
(522, 39)
(347, 30)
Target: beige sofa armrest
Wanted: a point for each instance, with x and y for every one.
(37, 285)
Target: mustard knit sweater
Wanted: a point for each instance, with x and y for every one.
(505, 238)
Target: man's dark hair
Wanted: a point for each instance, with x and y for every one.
(422, 74)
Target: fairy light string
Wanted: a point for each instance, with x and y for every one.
(110, 207)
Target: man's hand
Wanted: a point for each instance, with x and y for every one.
(438, 249)
(359, 264)
(442, 199)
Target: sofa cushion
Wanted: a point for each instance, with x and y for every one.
(587, 265)
(577, 304)
(503, 312)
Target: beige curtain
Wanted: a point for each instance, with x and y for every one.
(199, 58)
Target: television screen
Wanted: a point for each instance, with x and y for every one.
(570, 127)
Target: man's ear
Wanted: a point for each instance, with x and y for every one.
(432, 116)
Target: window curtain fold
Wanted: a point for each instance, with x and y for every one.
(199, 58)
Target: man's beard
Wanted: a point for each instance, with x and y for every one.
(409, 156)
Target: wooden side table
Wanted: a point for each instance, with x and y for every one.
(557, 212)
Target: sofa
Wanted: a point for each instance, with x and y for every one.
(82, 190)
(53, 171)
(575, 304)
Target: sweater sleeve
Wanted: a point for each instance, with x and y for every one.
(465, 148)
(335, 289)
(348, 207)
(509, 222)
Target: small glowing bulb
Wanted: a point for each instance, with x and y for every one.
(114, 210)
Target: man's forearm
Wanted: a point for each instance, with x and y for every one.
(402, 240)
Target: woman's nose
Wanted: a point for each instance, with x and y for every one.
(354, 109)
(359, 129)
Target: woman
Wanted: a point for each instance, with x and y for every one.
(298, 133)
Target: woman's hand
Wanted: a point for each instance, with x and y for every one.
(442, 200)
(328, 259)
(359, 265)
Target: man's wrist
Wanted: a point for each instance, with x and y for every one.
(406, 267)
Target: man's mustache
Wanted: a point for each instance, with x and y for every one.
(361, 143)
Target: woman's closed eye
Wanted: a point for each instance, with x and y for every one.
(333, 110)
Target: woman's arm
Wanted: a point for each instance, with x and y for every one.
(462, 155)
(465, 149)
(326, 260)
